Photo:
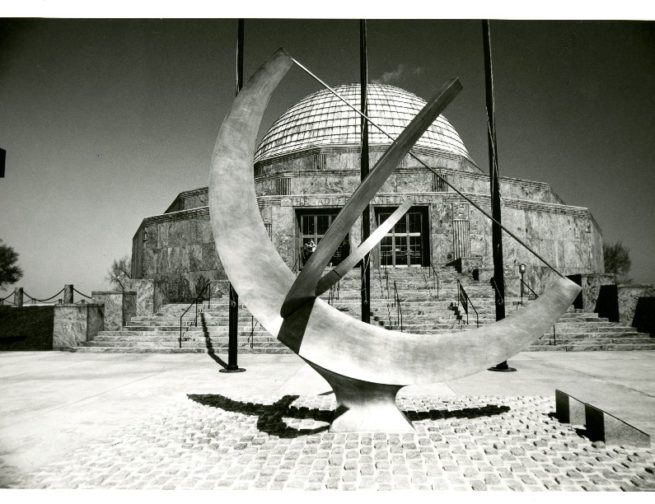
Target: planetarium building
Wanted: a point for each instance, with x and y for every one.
(308, 164)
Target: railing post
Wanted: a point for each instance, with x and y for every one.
(522, 269)
(18, 297)
(68, 294)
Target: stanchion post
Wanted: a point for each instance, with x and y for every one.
(18, 297)
(68, 294)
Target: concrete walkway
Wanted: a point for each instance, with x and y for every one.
(52, 404)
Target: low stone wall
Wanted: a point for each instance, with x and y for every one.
(628, 297)
(75, 324)
(26, 328)
(150, 295)
(119, 307)
(591, 285)
(644, 319)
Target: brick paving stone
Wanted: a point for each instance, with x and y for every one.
(514, 485)
(491, 479)
(367, 470)
(196, 446)
(478, 485)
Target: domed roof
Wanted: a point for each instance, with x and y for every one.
(322, 119)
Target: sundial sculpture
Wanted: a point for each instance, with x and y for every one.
(365, 365)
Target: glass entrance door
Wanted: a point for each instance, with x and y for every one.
(313, 226)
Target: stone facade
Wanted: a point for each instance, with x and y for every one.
(591, 285)
(177, 247)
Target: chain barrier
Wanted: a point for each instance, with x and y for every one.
(35, 300)
(2, 300)
(82, 294)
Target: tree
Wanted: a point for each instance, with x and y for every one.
(9, 272)
(119, 272)
(617, 260)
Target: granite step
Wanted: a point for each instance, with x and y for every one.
(588, 347)
(219, 351)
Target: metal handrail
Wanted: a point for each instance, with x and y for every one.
(435, 275)
(399, 309)
(367, 265)
(493, 283)
(464, 300)
(199, 297)
(530, 289)
(251, 339)
(379, 270)
(427, 284)
(380, 280)
(388, 298)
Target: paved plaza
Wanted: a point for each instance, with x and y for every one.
(155, 421)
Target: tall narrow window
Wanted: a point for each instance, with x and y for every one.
(283, 185)
(407, 243)
(461, 238)
(438, 184)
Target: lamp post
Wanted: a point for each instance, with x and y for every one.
(522, 271)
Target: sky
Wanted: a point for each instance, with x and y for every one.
(106, 121)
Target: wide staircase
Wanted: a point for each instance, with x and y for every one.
(417, 300)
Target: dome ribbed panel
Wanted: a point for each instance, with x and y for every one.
(321, 119)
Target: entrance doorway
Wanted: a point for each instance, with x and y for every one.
(408, 243)
(312, 226)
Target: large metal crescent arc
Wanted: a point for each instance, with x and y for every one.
(321, 334)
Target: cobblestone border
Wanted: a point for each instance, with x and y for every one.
(242, 443)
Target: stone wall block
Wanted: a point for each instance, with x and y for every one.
(628, 297)
(144, 298)
(75, 324)
(119, 307)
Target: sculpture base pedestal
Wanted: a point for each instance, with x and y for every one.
(503, 367)
(231, 370)
(364, 406)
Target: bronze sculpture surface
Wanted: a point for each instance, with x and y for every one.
(365, 365)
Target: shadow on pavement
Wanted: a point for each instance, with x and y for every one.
(271, 416)
(208, 343)
(488, 410)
